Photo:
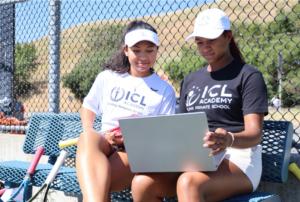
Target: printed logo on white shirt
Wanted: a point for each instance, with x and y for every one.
(119, 94)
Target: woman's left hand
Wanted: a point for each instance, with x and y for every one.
(217, 141)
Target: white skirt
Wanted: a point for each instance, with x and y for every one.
(249, 161)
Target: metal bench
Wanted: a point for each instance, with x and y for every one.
(48, 129)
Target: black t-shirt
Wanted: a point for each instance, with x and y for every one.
(225, 95)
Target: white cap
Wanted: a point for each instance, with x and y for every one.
(210, 24)
(135, 36)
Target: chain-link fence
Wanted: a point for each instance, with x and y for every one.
(51, 50)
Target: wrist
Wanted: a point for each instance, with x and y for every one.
(231, 139)
(89, 130)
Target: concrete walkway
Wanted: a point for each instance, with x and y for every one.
(11, 148)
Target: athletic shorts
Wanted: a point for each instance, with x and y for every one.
(249, 161)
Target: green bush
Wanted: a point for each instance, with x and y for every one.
(188, 61)
(102, 43)
(277, 41)
(25, 64)
(291, 89)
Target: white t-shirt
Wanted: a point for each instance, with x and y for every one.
(114, 95)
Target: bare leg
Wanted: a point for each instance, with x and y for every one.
(121, 176)
(95, 169)
(227, 181)
(153, 187)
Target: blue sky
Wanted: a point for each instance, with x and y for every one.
(32, 16)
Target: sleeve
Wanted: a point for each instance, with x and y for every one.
(182, 98)
(169, 102)
(255, 99)
(93, 99)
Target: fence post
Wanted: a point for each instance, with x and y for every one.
(279, 75)
(7, 43)
(54, 57)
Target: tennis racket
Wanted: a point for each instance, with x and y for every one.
(45, 187)
(73, 141)
(2, 191)
(20, 194)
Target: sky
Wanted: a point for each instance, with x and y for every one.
(32, 16)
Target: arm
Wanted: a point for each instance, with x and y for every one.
(255, 106)
(87, 119)
(249, 137)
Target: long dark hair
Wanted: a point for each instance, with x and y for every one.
(234, 49)
(119, 61)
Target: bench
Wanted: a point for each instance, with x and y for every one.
(48, 129)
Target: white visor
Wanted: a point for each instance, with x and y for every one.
(135, 36)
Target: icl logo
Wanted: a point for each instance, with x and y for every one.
(118, 94)
(208, 92)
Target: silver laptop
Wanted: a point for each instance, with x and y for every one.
(168, 143)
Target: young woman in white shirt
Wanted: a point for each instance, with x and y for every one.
(128, 86)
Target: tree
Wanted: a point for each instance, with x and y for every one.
(102, 42)
(276, 40)
(187, 62)
(25, 64)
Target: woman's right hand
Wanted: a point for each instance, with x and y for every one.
(217, 141)
(114, 137)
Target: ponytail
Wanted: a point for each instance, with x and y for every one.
(235, 51)
(118, 62)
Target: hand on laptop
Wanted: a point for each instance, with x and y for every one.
(217, 141)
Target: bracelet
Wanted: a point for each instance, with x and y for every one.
(232, 137)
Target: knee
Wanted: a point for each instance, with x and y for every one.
(186, 182)
(90, 142)
(142, 187)
(141, 183)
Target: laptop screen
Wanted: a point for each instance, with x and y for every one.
(167, 143)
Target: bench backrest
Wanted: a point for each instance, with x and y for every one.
(276, 142)
(48, 129)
